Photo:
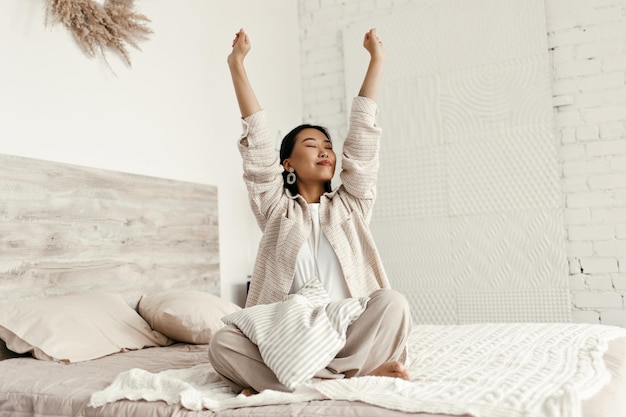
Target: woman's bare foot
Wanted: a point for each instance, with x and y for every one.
(392, 369)
(247, 392)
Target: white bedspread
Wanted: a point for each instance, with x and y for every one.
(495, 370)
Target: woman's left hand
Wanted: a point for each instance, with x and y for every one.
(373, 45)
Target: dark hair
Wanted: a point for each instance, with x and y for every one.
(286, 148)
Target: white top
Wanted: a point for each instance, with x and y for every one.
(318, 259)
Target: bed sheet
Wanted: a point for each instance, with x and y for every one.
(30, 387)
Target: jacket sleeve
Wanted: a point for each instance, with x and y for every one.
(262, 172)
(360, 153)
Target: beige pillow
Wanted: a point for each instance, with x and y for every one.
(189, 316)
(74, 328)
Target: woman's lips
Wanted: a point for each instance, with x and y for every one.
(324, 163)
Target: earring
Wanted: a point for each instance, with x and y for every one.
(291, 177)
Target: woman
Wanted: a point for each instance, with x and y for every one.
(311, 231)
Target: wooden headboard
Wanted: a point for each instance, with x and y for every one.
(68, 229)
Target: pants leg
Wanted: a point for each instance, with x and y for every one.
(379, 335)
(239, 362)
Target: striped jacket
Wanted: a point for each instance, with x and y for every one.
(286, 223)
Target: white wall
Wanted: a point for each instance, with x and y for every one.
(467, 217)
(587, 39)
(173, 114)
(587, 44)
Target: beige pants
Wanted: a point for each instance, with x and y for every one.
(379, 335)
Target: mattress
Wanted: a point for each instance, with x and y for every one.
(30, 387)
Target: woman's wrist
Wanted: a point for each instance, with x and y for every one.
(377, 57)
(235, 62)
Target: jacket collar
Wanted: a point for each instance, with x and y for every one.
(291, 196)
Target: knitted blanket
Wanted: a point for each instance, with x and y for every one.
(493, 370)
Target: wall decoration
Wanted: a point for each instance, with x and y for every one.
(96, 27)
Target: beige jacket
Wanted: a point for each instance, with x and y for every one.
(286, 223)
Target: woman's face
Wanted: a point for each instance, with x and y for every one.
(312, 158)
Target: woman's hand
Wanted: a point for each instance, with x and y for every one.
(241, 47)
(373, 45)
(248, 103)
(371, 83)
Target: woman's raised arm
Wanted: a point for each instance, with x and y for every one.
(248, 103)
(371, 83)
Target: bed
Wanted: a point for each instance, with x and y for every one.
(109, 296)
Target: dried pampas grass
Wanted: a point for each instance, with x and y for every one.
(96, 27)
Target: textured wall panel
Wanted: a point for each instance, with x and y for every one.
(421, 266)
(500, 171)
(433, 306)
(418, 174)
(535, 305)
(496, 96)
(409, 62)
(420, 103)
(468, 217)
(515, 250)
(482, 32)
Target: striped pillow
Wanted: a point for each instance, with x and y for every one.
(299, 336)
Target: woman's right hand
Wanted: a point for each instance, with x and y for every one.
(241, 47)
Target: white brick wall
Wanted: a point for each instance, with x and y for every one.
(587, 40)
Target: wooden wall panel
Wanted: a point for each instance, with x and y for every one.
(66, 229)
